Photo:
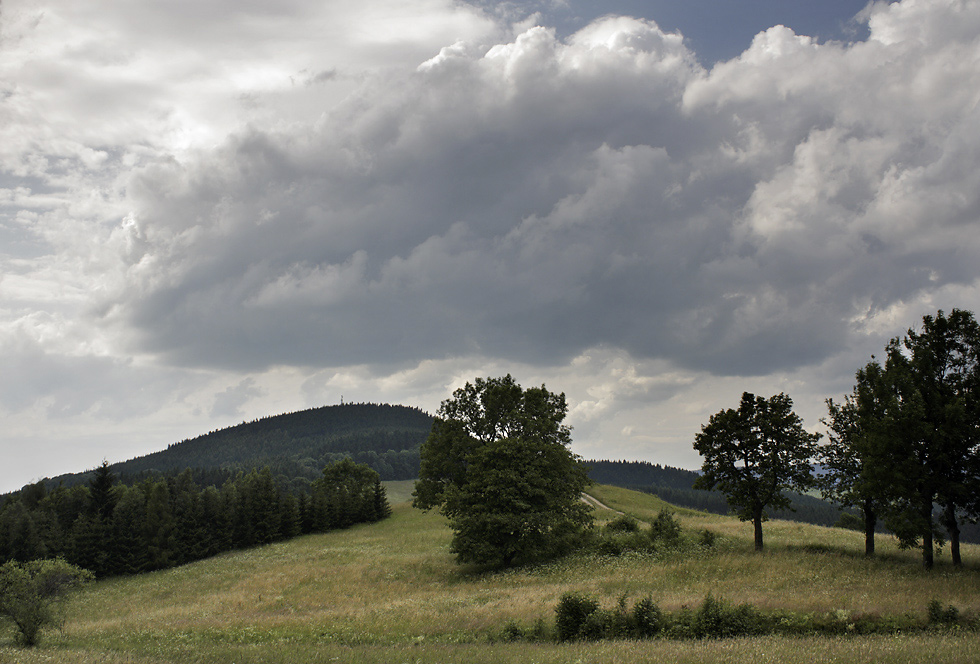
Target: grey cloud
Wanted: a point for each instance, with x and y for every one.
(543, 197)
(229, 402)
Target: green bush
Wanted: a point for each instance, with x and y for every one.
(716, 618)
(513, 631)
(580, 617)
(598, 625)
(942, 615)
(623, 524)
(571, 614)
(665, 529)
(618, 543)
(707, 539)
(646, 619)
(31, 594)
(850, 521)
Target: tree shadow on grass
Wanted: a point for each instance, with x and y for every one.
(896, 558)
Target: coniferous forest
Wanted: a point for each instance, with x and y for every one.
(112, 528)
(255, 483)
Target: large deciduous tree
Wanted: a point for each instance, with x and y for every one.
(497, 464)
(754, 454)
(855, 456)
(935, 374)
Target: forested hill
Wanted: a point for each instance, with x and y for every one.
(295, 445)
(640, 473)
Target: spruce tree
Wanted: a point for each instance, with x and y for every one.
(158, 529)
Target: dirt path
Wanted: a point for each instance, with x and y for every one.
(589, 500)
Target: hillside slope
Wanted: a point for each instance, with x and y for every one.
(391, 592)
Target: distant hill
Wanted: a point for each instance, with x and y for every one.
(294, 445)
(640, 473)
(674, 485)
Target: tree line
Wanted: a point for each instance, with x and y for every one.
(113, 528)
(903, 447)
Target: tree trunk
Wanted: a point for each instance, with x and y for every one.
(757, 522)
(953, 528)
(870, 521)
(927, 553)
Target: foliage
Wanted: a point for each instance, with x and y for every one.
(852, 460)
(754, 454)
(936, 376)
(707, 539)
(581, 617)
(572, 615)
(393, 594)
(623, 534)
(802, 508)
(623, 523)
(32, 592)
(850, 521)
(640, 473)
(112, 529)
(942, 615)
(497, 465)
(665, 529)
(908, 437)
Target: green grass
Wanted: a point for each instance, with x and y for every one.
(390, 592)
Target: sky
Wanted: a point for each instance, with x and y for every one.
(214, 212)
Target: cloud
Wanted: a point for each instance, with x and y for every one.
(252, 209)
(230, 402)
(540, 197)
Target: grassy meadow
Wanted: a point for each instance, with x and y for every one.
(390, 592)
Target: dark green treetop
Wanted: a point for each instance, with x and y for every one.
(497, 464)
(754, 454)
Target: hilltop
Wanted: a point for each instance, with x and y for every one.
(295, 445)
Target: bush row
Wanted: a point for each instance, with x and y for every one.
(579, 617)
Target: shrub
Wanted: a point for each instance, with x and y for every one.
(618, 543)
(717, 619)
(707, 539)
(665, 529)
(31, 593)
(513, 632)
(850, 521)
(646, 619)
(598, 625)
(940, 615)
(572, 612)
(622, 524)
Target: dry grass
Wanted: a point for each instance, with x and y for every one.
(391, 592)
(935, 648)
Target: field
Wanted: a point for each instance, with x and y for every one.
(390, 592)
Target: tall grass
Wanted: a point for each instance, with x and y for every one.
(391, 592)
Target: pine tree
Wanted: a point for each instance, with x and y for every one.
(158, 529)
(102, 499)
